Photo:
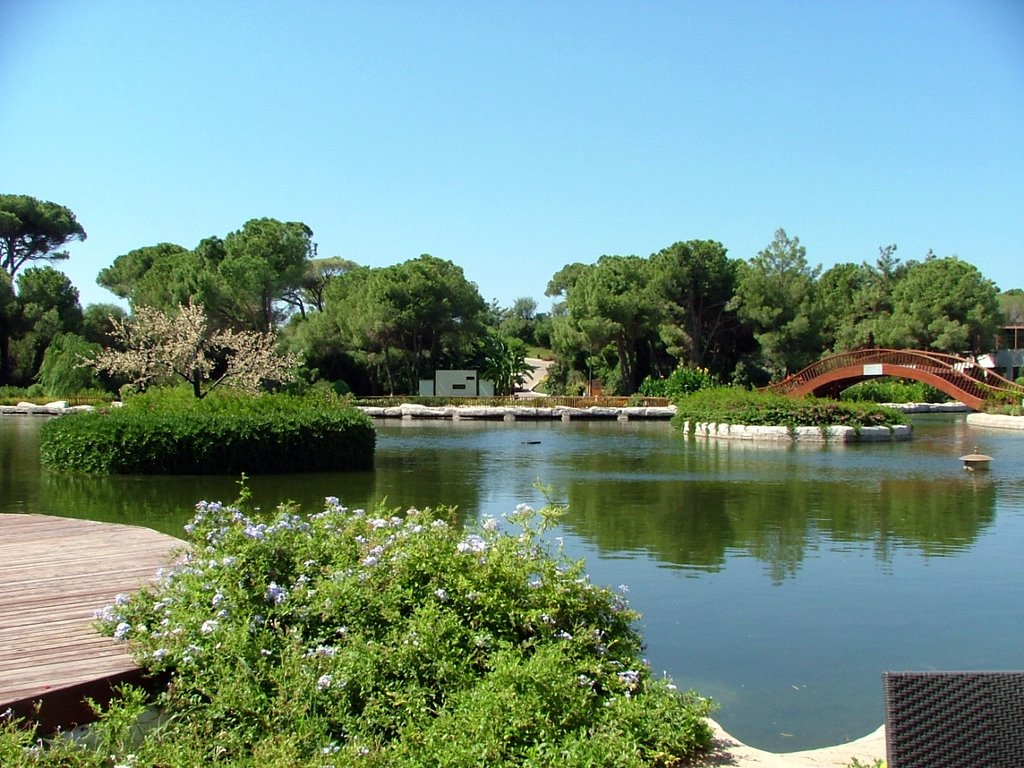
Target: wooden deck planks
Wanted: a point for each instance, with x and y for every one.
(54, 574)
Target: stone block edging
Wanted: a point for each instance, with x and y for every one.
(834, 434)
(516, 412)
(995, 420)
(56, 408)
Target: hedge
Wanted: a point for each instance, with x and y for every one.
(213, 436)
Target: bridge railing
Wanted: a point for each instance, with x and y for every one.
(962, 373)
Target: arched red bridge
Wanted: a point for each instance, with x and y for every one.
(960, 378)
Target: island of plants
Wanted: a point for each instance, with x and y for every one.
(737, 406)
(352, 638)
(171, 432)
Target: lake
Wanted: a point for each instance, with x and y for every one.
(779, 580)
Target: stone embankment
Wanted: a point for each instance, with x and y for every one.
(951, 407)
(833, 434)
(996, 421)
(56, 408)
(517, 413)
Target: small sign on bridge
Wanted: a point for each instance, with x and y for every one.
(873, 369)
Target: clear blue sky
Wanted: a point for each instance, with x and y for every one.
(514, 138)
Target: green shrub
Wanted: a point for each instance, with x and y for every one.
(175, 433)
(12, 395)
(889, 390)
(731, 405)
(682, 381)
(62, 372)
(349, 638)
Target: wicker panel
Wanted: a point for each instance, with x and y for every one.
(954, 719)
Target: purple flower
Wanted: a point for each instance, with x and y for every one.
(275, 594)
(106, 613)
(472, 543)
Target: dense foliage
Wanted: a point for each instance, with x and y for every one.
(349, 638)
(396, 325)
(614, 323)
(502, 361)
(178, 434)
(34, 230)
(682, 381)
(776, 297)
(62, 369)
(731, 405)
(890, 390)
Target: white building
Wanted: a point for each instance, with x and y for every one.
(456, 384)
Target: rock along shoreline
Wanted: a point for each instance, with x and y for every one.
(831, 434)
(534, 412)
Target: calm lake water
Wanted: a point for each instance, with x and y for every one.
(779, 580)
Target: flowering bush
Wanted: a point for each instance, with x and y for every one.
(382, 639)
(154, 345)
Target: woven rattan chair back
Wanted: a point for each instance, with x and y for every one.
(954, 719)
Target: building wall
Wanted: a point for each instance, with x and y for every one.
(1008, 363)
(456, 384)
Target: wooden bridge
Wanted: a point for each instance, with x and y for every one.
(960, 378)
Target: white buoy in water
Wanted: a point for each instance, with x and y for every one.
(974, 461)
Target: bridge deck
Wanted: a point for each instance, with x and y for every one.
(55, 572)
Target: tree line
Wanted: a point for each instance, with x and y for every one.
(379, 330)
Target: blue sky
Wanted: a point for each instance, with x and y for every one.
(514, 138)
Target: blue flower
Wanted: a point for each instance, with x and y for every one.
(106, 613)
(472, 543)
(276, 594)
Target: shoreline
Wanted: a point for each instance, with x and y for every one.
(995, 421)
(834, 434)
(729, 751)
(822, 435)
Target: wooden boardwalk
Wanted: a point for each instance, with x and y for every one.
(54, 573)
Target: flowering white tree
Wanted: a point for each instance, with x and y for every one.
(161, 344)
